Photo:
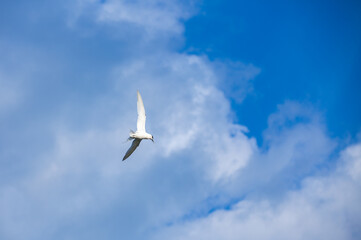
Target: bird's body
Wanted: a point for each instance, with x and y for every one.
(141, 133)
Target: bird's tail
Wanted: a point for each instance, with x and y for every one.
(129, 138)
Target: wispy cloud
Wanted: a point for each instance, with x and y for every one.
(326, 206)
(236, 78)
(155, 18)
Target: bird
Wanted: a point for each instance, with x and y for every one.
(140, 134)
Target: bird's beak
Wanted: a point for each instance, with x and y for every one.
(152, 140)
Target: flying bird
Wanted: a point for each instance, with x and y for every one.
(140, 134)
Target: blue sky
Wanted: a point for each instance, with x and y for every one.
(306, 50)
(262, 99)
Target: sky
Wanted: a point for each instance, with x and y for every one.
(254, 109)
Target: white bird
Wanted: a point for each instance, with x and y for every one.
(140, 134)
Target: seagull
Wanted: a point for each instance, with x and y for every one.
(140, 134)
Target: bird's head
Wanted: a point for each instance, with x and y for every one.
(152, 138)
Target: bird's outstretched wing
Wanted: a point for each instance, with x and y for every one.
(135, 144)
(141, 114)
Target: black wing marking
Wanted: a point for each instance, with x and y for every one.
(135, 144)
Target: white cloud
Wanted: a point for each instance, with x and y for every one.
(84, 170)
(83, 176)
(154, 17)
(352, 159)
(193, 110)
(78, 187)
(326, 207)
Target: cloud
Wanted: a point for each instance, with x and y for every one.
(237, 78)
(151, 19)
(82, 178)
(82, 169)
(325, 207)
(193, 110)
(156, 15)
(208, 177)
